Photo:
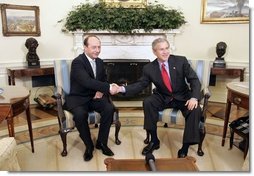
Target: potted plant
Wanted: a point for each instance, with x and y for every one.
(99, 16)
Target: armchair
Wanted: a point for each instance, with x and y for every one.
(66, 123)
(174, 116)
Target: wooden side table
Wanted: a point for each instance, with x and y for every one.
(229, 71)
(19, 72)
(172, 164)
(13, 101)
(238, 94)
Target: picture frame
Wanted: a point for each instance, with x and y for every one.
(126, 3)
(214, 11)
(19, 20)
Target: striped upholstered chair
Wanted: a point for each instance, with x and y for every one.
(66, 123)
(173, 116)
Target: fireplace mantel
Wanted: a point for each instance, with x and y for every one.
(117, 45)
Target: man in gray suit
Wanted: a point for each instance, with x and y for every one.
(169, 74)
(89, 91)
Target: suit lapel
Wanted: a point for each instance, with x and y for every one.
(88, 66)
(172, 71)
(157, 70)
(98, 67)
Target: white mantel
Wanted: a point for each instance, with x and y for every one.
(123, 46)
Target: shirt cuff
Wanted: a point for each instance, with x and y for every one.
(123, 90)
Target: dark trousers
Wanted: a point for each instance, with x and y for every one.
(80, 116)
(156, 102)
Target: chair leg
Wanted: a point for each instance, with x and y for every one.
(118, 126)
(231, 138)
(146, 141)
(64, 140)
(246, 148)
(202, 133)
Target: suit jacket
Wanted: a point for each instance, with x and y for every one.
(180, 72)
(83, 84)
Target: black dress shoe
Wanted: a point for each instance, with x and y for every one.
(104, 148)
(181, 154)
(150, 148)
(88, 155)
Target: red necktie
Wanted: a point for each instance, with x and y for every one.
(165, 77)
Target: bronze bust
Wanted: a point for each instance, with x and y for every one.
(220, 51)
(32, 57)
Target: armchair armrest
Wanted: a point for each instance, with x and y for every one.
(60, 113)
(58, 90)
(206, 94)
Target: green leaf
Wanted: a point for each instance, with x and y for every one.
(100, 17)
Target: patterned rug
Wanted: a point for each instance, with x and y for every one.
(51, 127)
(48, 126)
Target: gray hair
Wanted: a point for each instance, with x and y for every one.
(159, 40)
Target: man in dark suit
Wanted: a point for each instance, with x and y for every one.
(89, 91)
(169, 74)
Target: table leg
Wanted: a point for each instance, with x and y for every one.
(28, 118)
(9, 80)
(242, 75)
(10, 126)
(227, 113)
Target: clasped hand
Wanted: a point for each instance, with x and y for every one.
(114, 89)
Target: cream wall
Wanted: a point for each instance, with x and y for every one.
(199, 40)
(196, 41)
(52, 43)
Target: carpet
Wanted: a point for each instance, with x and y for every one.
(45, 123)
(47, 151)
(42, 129)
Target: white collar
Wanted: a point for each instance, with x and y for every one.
(90, 59)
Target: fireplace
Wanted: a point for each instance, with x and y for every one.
(123, 54)
(126, 71)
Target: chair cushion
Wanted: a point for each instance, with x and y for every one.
(171, 116)
(93, 118)
(175, 116)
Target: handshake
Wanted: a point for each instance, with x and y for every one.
(115, 89)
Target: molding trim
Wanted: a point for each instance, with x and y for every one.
(123, 41)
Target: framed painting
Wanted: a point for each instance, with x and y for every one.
(226, 11)
(126, 3)
(19, 20)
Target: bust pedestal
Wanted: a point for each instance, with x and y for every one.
(219, 63)
(33, 64)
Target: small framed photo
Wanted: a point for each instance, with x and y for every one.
(126, 3)
(19, 20)
(226, 11)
